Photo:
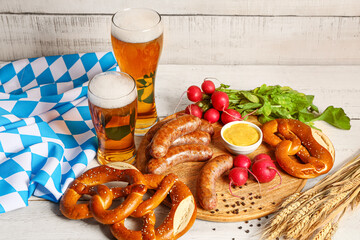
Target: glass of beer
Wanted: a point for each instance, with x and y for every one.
(113, 104)
(137, 39)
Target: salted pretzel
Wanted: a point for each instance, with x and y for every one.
(179, 220)
(90, 183)
(292, 137)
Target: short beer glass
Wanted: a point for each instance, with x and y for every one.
(137, 39)
(113, 104)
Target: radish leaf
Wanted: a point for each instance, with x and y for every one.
(276, 101)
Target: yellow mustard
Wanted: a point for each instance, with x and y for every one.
(241, 135)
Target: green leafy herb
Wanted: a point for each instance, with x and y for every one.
(276, 101)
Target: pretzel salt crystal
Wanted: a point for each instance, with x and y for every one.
(296, 138)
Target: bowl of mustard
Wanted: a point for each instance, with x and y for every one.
(241, 137)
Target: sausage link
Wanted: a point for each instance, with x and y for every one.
(147, 152)
(150, 134)
(209, 174)
(196, 137)
(179, 154)
(205, 126)
(171, 131)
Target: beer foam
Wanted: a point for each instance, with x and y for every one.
(136, 25)
(112, 90)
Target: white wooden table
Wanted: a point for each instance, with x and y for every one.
(331, 85)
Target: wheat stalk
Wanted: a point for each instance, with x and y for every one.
(295, 231)
(332, 231)
(289, 199)
(321, 235)
(305, 209)
(314, 212)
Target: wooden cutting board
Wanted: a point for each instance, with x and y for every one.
(251, 204)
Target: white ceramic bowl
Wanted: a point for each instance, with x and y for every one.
(234, 149)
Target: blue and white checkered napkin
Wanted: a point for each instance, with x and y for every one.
(46, 135)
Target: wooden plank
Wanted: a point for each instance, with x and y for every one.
(211, 7)
(194, 39)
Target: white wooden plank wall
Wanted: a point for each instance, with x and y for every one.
(305, 32)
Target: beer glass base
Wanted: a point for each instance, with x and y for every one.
(142, 131)
(113, 158)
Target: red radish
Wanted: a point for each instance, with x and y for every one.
(194, 93)
(238, 176)
(208, 87)
(262, 156)
(265, 170)
(230, 115)
(242, 161)
(194, 110)
(212, 115)
(220, 100)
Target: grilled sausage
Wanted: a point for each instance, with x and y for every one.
(211, 171)
(205, 126)
(196, 137)
(150, 134)
(170, 131)
(179, 154)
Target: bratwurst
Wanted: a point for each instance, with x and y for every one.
(170, 131)
(195, 137)
(209, 174)
(179, 154)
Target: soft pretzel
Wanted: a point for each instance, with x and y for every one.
(163, 186)
(181, 216)
(102, 196)
(179, 220)
(290, 137)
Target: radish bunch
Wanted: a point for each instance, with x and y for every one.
(263, 170)
(210, 104)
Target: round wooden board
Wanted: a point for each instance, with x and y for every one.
(251, 204)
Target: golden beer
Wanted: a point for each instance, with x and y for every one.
(137, 39)
(113, 103)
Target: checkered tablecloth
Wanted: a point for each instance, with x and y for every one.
(46, 135)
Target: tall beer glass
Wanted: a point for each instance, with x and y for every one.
(137, 39)
(113, 103)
